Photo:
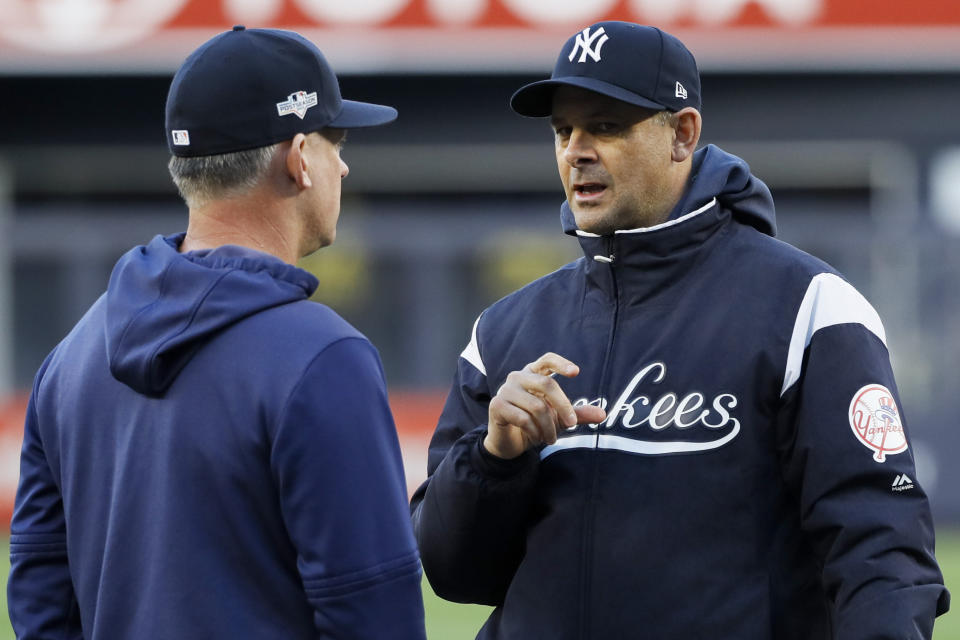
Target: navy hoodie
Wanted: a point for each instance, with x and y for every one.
(753, 479)
(208, 454)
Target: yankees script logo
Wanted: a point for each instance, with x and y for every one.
(585, 44)
(669, 411)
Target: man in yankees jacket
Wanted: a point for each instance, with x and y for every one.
(693, 431)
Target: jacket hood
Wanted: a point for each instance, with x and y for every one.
(721, 175)
(161, 305)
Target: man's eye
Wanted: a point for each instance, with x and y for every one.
(607, 127)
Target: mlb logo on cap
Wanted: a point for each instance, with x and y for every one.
(634, 63)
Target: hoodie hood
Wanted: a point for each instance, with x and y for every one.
(162, 306)
(721, 175)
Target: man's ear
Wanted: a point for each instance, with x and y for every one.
(297, 163)
(686, 133)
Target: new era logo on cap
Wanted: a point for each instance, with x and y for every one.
(681, 92)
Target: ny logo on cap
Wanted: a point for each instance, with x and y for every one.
(585, 44)
(297, 104)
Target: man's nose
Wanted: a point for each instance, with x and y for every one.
(580, 149)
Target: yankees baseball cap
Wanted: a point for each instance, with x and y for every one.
(634, 63)
(249, 88)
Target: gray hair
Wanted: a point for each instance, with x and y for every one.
(202, 179)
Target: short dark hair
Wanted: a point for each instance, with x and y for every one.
(667, 118)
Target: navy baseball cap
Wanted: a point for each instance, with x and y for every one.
(249, 88)
(634, 63)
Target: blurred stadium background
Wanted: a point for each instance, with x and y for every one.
(844, 107)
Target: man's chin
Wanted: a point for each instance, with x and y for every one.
(317, 243)
(591, 220)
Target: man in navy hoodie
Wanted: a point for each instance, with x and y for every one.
(208, 454)
(693, 431)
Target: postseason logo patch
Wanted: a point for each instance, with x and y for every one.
(875, 421)
(297, 103)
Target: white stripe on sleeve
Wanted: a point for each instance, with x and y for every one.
(472, 351)
(829, 300)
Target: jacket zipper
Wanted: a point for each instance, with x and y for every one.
(589, 511)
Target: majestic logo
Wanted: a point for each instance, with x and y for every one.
(181, 137)
(588, 45)
(681, 91)
(876, 422)
(902, 483)
(297, 104)
(673, 417)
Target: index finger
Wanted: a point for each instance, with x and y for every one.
(550, 363)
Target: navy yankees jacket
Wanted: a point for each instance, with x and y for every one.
(208, 454)
(753, 478)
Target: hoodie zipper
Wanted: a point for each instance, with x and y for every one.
(589, 508)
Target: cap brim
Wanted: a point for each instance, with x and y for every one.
(354, 115)
(535, 100)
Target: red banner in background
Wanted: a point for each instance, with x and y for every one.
(190, 14)
(415, 412)
(430, 35)
(12, 412)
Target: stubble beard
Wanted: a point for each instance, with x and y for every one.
(649, 212)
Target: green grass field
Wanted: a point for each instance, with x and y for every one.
(448, 621)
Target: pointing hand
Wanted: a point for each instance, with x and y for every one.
(530, 409)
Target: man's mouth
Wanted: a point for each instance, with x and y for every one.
(585, 191)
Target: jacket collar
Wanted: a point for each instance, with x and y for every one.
(651, 256)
